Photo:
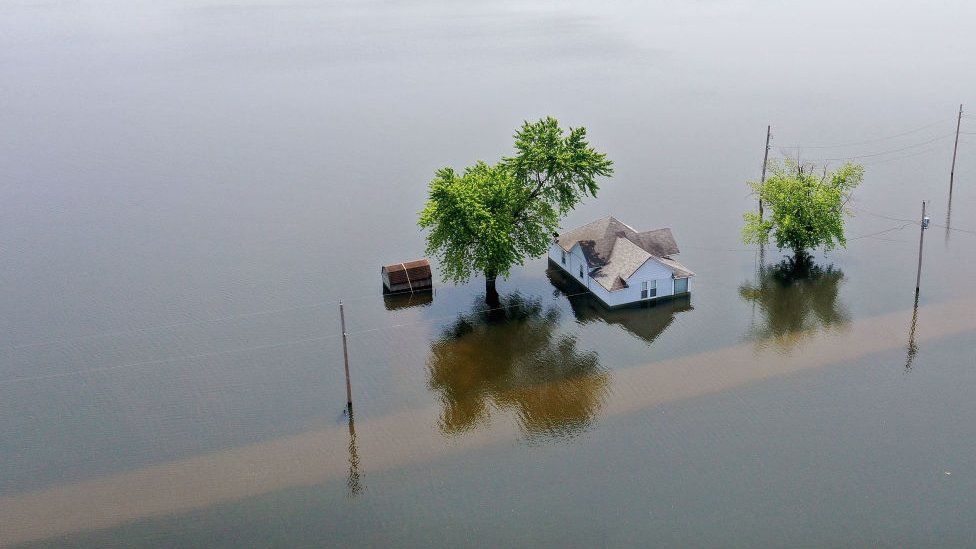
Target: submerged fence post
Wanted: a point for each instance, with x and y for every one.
(345, 356)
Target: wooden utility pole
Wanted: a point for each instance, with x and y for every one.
(345, 356)
(921, 241)
(952, 172)
(766, 160)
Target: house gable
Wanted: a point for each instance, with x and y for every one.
(649, 270)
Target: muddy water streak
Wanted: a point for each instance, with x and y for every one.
(411, 436)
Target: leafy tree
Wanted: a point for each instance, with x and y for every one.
(490, 218)
(806, 208)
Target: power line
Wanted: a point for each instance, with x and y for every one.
(101, 335)
(967, 231)
(903, 157)
(881, 153)
(374, 296)
(165, 360)
(862, 210)
(911, 221)
(445, 317)
(896, 228)
(906, 223)
(165, 326)
(867, 141)
(247, 348)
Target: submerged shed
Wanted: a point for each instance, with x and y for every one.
(411, 276)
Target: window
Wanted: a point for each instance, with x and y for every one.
(648, 289)
(564, 257)
(581, 272)
(681, 285)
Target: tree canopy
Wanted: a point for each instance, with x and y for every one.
(806, 209)
(490, 218)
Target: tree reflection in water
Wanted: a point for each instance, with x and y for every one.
(795, 299)
(514, 359)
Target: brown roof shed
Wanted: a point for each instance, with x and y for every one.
(407, 277)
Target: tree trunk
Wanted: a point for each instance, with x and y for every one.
(491, 293)
(801, 261)
(799, 256)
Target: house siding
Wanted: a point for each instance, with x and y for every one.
(650, 270)
(574, 259)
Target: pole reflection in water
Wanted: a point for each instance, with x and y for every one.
(514, 359)
(948, 223)
(912, 346)
(355, 479)
(796, 300)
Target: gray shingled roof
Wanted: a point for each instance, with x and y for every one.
(680, 270)
(625, 258)
(614, 250)
(659, 242)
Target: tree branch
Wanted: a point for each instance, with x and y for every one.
(540, 183)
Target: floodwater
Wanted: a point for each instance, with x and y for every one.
(187, 188)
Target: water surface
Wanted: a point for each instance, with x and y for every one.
(187, 189)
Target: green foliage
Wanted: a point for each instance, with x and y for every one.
(491, 217)
(804, 210)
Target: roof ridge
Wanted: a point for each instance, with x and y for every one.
(626, 225)
(638, 244)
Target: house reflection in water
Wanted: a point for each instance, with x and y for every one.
(647, 321)
(795, 301)
(515, 359)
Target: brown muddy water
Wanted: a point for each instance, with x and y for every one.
(187, 189)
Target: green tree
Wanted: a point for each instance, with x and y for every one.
(806, 209)
(490, 218)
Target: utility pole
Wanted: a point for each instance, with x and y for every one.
(921, 241)
(766, 159)
(952, 172)
(345, 357)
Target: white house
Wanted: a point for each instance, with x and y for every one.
(619, 265)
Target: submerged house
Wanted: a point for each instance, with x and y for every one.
(619, 265)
